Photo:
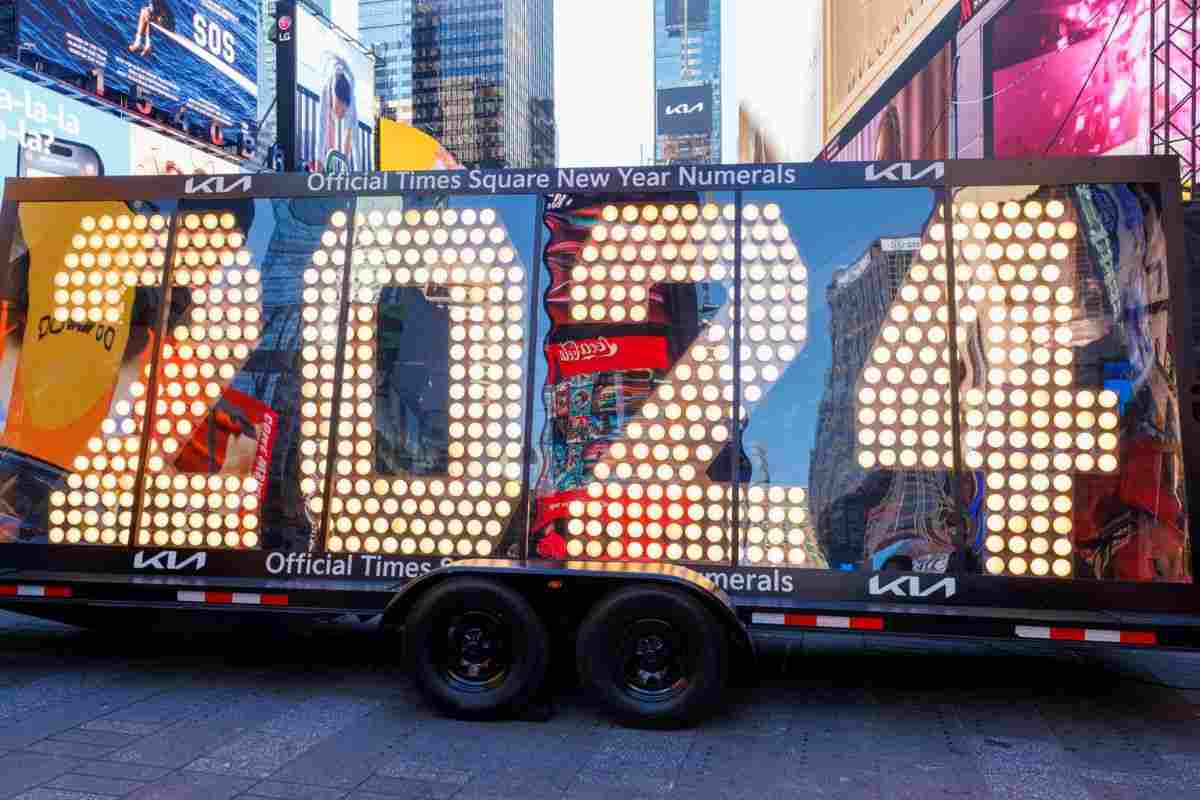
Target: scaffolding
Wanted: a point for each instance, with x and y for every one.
(1175, 85)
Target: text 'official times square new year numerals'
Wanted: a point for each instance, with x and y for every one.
(110, 258)
(460, 259)
(1025, 427)
(651, 497)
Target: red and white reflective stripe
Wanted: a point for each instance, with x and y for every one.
(234, 598)
(26, 590)
(818, 621)
(1087, 635)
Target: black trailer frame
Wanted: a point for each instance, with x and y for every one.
(51, 579)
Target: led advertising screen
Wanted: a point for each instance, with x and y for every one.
(685, 110)
(199, 56)
(335, 97)
(1086, 64)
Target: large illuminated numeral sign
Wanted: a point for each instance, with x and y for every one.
(110, 257)
(1024, 423)
(650, 496)
(462, 259)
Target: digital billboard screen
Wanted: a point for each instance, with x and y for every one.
(195, 56)
(1086, 65)
(685, 110)
(335, 97)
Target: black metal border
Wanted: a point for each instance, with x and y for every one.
(770, 586)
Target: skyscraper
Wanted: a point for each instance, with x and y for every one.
(691, 66)
(483, 79)
(847, 501)
(386, 27)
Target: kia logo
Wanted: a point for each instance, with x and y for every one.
(684, 108)
(909, 586)
(903, 171)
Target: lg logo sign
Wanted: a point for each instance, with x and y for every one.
(684, 108)
(909, 586)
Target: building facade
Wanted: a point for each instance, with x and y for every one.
(846, 500)
(387, 27)
(691, 67)
(483, 79)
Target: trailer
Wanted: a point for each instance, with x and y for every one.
(639, 420)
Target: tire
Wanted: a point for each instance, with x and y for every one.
(654, 655)
(476, 647)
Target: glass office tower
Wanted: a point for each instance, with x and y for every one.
(386, 27)
(687, 81)
(483, 79)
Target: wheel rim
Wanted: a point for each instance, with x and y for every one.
(653, 662)
(478, 651)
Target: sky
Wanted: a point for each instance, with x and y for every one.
(603, 82)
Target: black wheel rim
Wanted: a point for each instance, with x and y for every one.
(654, 660)
(477, 655)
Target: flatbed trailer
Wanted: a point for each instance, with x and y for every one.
(653, 415)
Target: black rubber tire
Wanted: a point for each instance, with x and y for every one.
(429, 624)
(703, 662)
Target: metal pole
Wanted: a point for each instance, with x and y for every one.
(736, 451)
(530, 368)
(149, 417)
(339, 368)
(955, 376)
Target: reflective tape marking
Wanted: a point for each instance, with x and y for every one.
(1087, 635)
(28, 590)
(234, 598)
(818, 621)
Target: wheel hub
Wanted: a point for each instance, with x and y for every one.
(653, 660)
(477, 651)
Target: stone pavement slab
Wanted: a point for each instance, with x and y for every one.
(327, 717)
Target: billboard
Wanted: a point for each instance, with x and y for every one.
(198, 57)
(335, 97)
(909, 124)
(867, 42)
(44, 133)
(403, 147)
(684, 110)
(152, 153)
(1086, 63)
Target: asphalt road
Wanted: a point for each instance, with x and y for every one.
(330, 715)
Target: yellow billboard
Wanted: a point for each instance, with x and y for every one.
(403, 147)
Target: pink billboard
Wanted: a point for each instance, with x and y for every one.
(1071, 77)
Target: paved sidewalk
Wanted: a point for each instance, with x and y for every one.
(331, 716)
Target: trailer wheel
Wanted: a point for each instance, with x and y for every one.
(476, 647)
(654, 655)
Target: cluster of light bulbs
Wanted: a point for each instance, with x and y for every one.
(462, 258)
(109, 257)
(1024, 423)
(651, 497)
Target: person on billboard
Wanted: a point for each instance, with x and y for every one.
(888, 143)
(155, 12)
(338, 115)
